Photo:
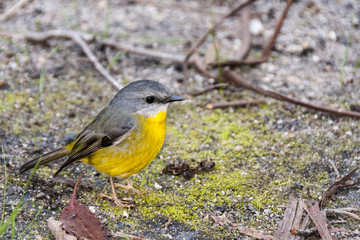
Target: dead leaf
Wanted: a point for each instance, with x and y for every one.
(78, 220)
(57, 230)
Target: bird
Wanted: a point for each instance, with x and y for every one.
(123, 138)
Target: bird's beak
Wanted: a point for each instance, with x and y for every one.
(175, 99)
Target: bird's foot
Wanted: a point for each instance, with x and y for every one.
(129, 187)
(118, 202)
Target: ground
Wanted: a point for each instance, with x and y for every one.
(49, 92)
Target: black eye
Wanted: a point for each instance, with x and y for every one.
(150, 99)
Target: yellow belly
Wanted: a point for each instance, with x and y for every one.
(135, 152)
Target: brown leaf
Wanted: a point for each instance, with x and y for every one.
(78, 220)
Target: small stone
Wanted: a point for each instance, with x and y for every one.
(348, 133)
(92, 209)
(256, 27)
(332, 35)
(125, 214)
(315, 58)
(157, 186)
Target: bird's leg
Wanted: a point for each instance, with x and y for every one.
(118, 202)
(129, 187)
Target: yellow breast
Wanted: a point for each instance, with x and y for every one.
(135, 152)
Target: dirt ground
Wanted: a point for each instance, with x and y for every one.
(50, 91)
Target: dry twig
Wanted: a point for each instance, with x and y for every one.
(233, 77)
(213, 28)
(13, 9)
(344, 211)
(342, 183)
(167, 224)
(242, 103)
(319, 219)
(267, 51)
(334, 168)
(127, 236)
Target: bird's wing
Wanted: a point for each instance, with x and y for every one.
(102, 132)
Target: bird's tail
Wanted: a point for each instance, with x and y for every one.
(46, 158)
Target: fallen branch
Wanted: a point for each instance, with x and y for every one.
(267, 51)
(313, 231)
(245, 33)
(342, 183)
(13, 9)
(334, 168)
(293, 212)
(233, 77)
(213, 28)
(319, 219)
(242, 103)
(205, 90)
(343, 211)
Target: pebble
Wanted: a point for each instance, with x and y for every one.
(157, 186)
(332, 35)
(256, 27)
(348, 133)
(315, 58)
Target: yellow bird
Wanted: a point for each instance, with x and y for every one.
(124, 137)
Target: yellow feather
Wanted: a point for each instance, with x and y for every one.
(139, 147)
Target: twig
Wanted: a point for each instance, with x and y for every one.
(267, 51)
(131, 237)
(342, 183)
(312, 231)
(78, 38)
(233, 77)
(291, 214)
(344, 212)
(245, 33)
(12, 10)
(214, 27)
(167, 224)
(207, 89)
(319, 219)
(201, 67)
(334, 168)
(235, 104)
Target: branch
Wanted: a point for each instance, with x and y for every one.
(12, 10)
(267, 51)
(213, 28)
(235, 104)
(233, 77)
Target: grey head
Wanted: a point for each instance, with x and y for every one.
(144, 97)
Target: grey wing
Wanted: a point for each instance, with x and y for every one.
(102, 132)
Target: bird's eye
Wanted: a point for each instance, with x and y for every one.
(150, 99)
